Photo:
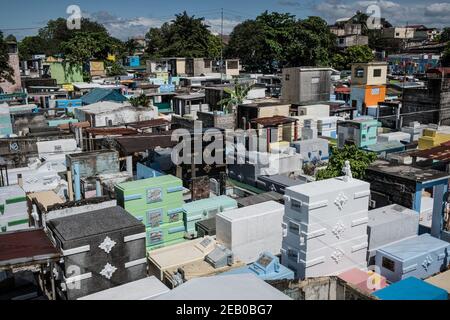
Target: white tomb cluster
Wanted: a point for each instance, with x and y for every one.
(325, 226)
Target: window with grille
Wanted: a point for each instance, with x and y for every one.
(359, 73)
(377, 73)
(294, 228)
(296, 205)
(292, 255)
(388, 264)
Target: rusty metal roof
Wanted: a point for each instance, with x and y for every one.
(66, 126)
(149, 124)
(441, 153)
(418, 175)
(144, 142)
(111, 131)
(26, 248)
(273, 121)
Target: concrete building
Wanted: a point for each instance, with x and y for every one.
(430, 104)
(388, 225)
(325, 227)
(203, 209)
(306, 85)
(404, 184)
(100, 249)
(248, 112)
(108, 113)
(13, 54)
(421, 257)
(175, 256)
(411, 289)
(348, 34)
(368, 86)
(13, 209)
(144, 289)
(251, 230)
(158, 203)
(361, 133)
(267, 267)
(221, 287)
(195, 67)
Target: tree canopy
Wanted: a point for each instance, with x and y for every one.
(185, 36)
(354, 54)
(359, 161)
(6, 72)
(275, 40)
(56, 39)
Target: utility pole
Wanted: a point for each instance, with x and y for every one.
(221, 47)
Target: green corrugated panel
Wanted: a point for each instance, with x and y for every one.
(15, 200)
(17, 222)
(2, 208)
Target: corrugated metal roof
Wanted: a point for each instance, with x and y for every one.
(25, 248)
(149, 123)
(144, 142)
(273, 121)
(99, 94)
(441, 153)
(111, 131)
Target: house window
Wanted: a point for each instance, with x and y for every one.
(207, 63)
(296, 205)
(294, 228)
(287, 77)
(377, 73)
(292, 255)
(154, 195)
(359, 73)
(397, 34)
(388, 264)
(341, 40)
(315, 80)
(232, 65)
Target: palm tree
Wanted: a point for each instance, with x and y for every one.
(236, 96)
(140, 101)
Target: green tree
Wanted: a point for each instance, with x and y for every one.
(85, 46)
(444, 36)
(130, 47)
(275, 40)
(6, 72)
(236, 96)
(55, 33)
(446, 57)
(351, 55)
(247, 42)
(140, 101)
(359, 161)
(185, 36)
(30, 46)
(114, 69)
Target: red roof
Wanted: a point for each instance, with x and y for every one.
(344, 90)
(29, 247)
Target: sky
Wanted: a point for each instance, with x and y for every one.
(125, 19)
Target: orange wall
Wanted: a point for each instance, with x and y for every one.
(372, 100)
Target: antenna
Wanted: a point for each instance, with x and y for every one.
(221, 47)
